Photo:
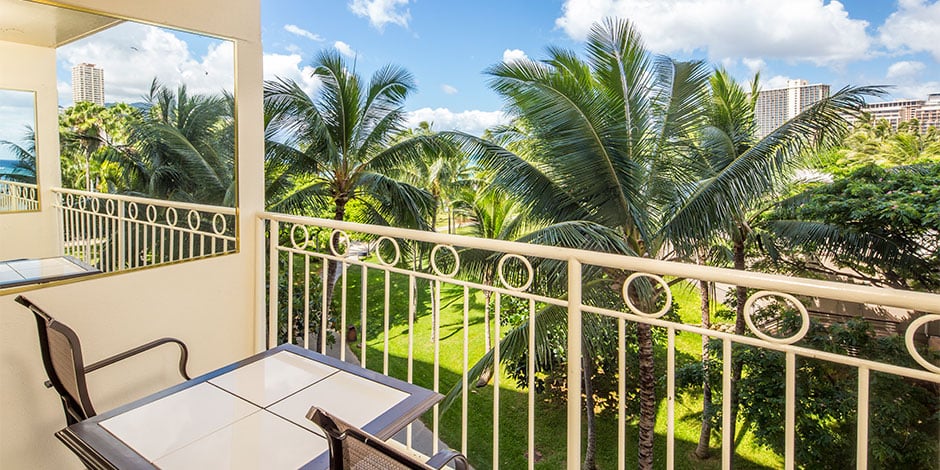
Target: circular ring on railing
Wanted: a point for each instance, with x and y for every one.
(95, 205)
(502, 276)
(189, 219)
(633, 308)
(215, 228)
(69, 200)
(82, 202)
(132, 210)
(151, 213)
(378, 252)
(453, 251)
(342, 237)
(171, 216)
(293, 236)
(804, 317)
(909, 341)
(109, 206)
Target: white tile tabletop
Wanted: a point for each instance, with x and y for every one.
(8, 274)
(45, 267)
(261, 440)
(273, 378)
(349, 397)
(162, 426)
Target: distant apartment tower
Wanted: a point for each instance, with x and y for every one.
(927, 112)
(88, 84)
(774, 107)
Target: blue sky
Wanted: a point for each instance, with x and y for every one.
(447, 45)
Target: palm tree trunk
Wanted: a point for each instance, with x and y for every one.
(647, 422)
(702, 450)
(590, 450)
(739, 326)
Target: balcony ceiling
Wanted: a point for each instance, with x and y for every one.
(45, 25)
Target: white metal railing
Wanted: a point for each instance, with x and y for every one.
(116, 232)
(16, 197)
(299, 253)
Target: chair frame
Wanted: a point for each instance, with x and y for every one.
(336, 437)
(80, 408)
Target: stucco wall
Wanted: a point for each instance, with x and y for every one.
(32, 234)
(210, 304)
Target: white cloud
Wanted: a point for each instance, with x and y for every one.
(344, 49)
(915, 90)
(914, 27)
(288, 67)
(382, 12)
(796, 30)
(905, 69)
(472, 122)
(774, 83)
(133, 54)
(753, 65)
(512, 55)
(449, 89)
(16, 113)
(294, 29)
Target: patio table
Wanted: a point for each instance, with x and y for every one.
(248, 415)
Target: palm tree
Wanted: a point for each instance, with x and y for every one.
(737, 175)
(185, 146)
(344, 138)
(24, 170)
(606, 133)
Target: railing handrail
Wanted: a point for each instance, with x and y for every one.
(918, 301)
(143, 200)
(17, 183)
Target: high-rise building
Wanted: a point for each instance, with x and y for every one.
(926, 112)
(774, 107)
(88, 84)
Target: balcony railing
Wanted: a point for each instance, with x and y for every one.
(116, 232)
(410, 269)
(18, 197)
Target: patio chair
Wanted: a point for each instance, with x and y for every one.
(352, 448)
(62, 359)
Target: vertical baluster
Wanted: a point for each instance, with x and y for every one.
(411, 339)
(621, 393)
(342, 313)
(307, 300)
(290, 296)
(325, 263)
(273, 242)
(790, 413)
(466, 365)
(385, 321)
(362, 320)
(436, 312)
(727, 442)
(496, 372)
(861, 450)
(531, 370)
(574, 365)
(671, 399)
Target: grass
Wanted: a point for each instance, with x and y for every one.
(550, 421)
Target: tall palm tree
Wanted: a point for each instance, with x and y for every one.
(606, 133)
(344, 137)
(736, 174)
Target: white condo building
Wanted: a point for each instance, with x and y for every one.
(774, 107)
(926, 112)
(88, 84)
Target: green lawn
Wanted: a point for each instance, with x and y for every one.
(550, 434)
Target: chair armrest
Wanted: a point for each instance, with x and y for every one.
(184, 355)
(444, 457)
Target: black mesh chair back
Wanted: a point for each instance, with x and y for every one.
(62, 358)
(354, 449)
